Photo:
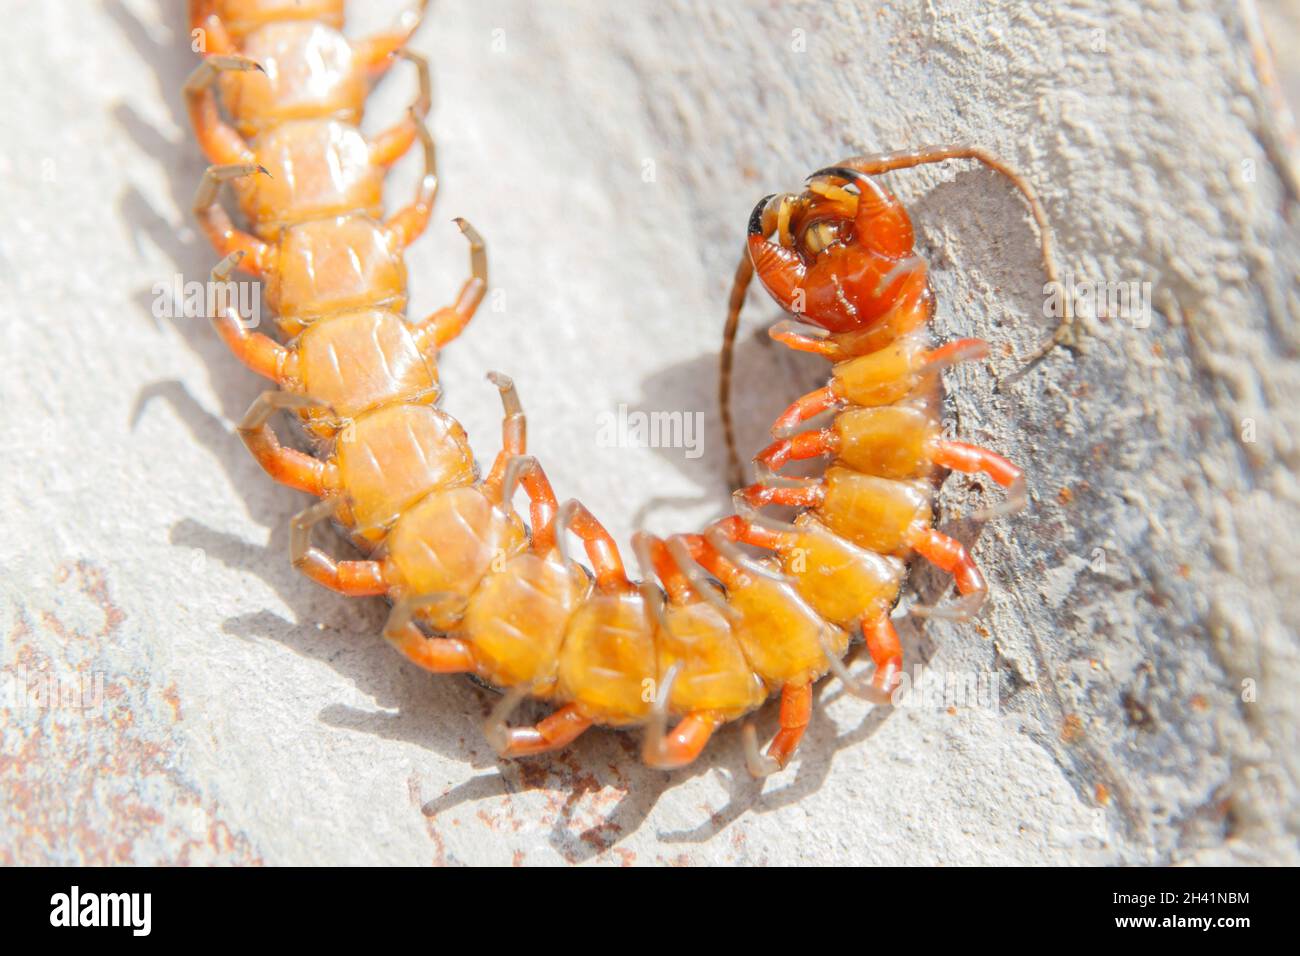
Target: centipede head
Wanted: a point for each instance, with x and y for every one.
(838, 255)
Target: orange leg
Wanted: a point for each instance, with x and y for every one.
(802, 496)
(375, 53)
(681, 745)
(408, 223)
(950, 555)
(558, 730)
(797, 337)
(391, 145)
(288, 466)
(526, 472)
(885, 650)
(799, 447)
(960, 456)
(804, 408)
(513, 468)
(796, 712)
(220, 141)
(445, 324)
(514, 433)
(441, 655)
(353, 578)
(739, 529)
(215, 221)
(960, 350)
(199, 10)
(599, 543)
(259, 352)
(654, 557)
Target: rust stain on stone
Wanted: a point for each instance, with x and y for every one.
(91, 767)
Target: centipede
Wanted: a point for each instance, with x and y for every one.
(710, 630)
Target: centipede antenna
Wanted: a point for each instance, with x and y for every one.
(739, 286)
(1067, 332)
(760, 224)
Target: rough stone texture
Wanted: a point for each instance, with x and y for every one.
(1143, 626)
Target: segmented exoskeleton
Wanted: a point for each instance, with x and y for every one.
(709, 633)
(844, 265)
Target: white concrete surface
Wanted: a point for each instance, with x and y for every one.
(1143, 629)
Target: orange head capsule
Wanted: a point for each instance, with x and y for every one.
(850, 264)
